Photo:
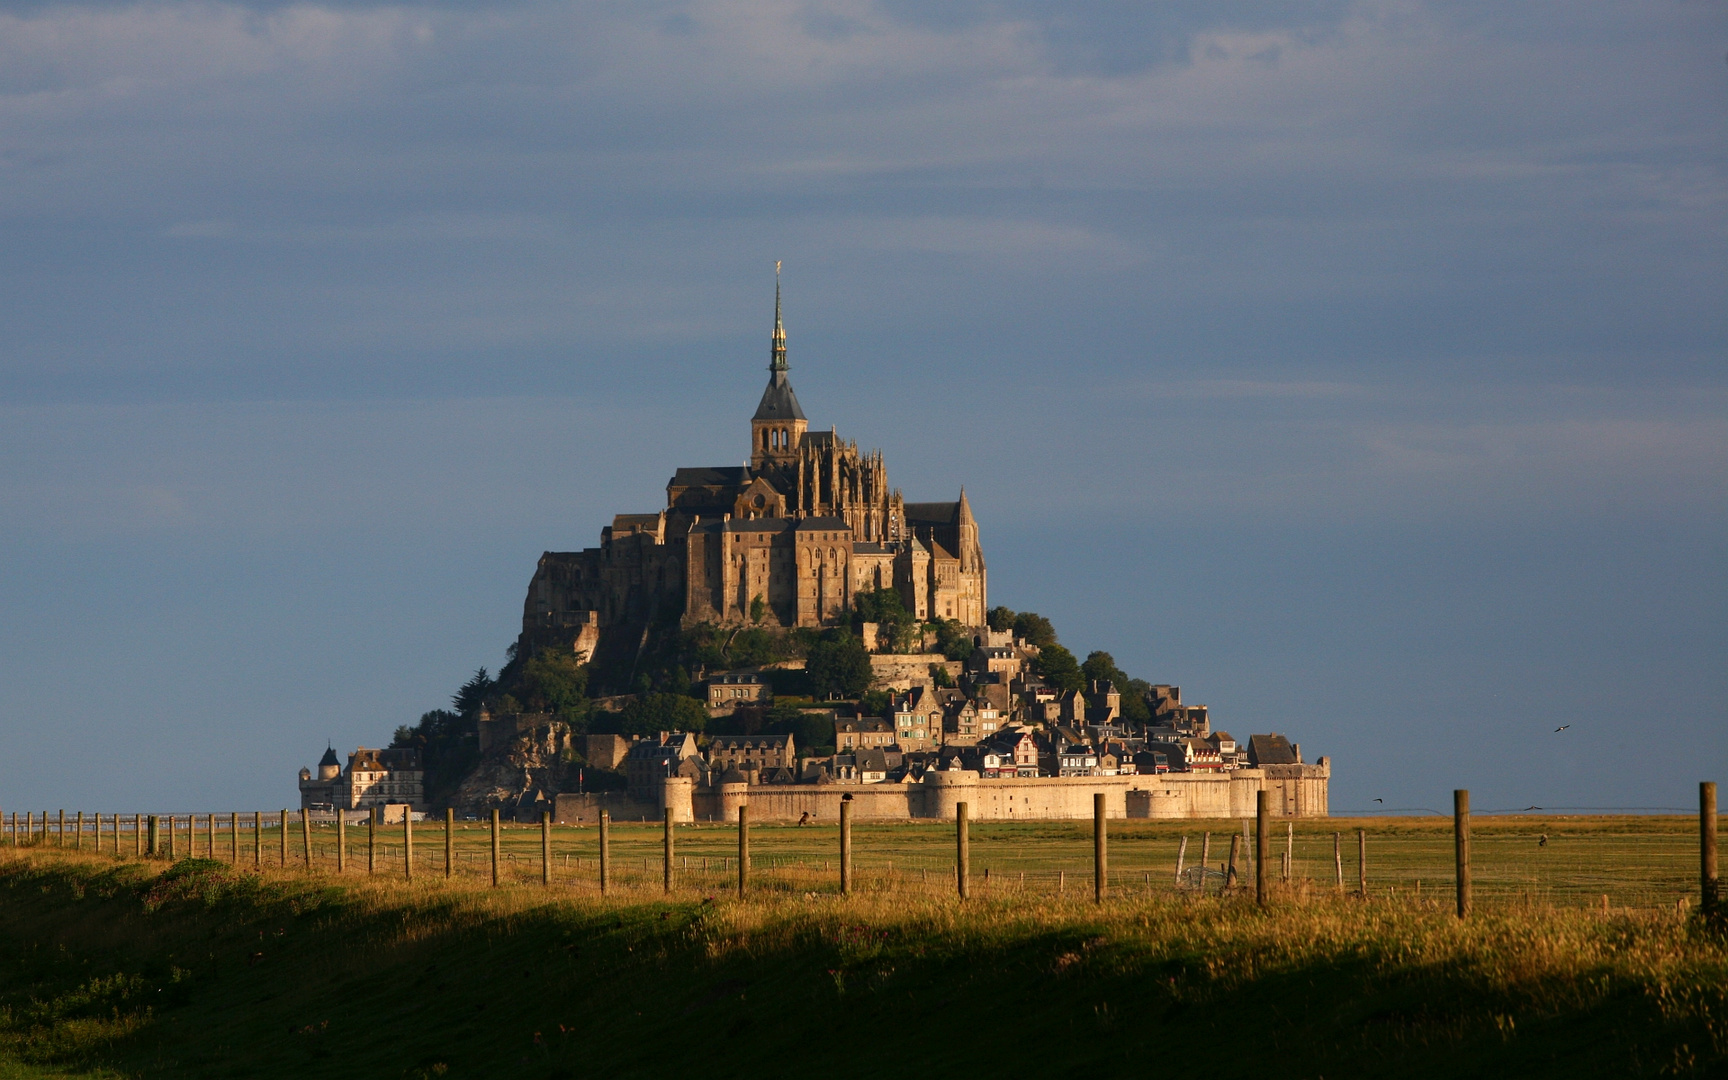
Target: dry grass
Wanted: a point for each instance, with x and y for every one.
(203, 970)
(1638, 863)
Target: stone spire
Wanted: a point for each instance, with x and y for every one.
(777, 345)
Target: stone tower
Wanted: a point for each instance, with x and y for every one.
(777, 429)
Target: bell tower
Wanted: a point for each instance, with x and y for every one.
(778, 426)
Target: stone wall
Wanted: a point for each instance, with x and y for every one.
(1297, 791)
(903, 671)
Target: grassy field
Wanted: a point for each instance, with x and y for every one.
(1636, 862)
(116, 967)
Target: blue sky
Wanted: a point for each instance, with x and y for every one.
(1357, 366)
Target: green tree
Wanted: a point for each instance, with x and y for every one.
(1000, 618)
(953, 640)
(874, 702)
(758, 608)
(881, 606)
(1034, 629)
(1101, 667)
(472, 694)
(1058, 668)
(555, 681)
(652, 713)
(839, 667)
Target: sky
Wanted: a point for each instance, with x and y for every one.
(1360, 367)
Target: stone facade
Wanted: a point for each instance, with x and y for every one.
(370, 778)
(786, 540)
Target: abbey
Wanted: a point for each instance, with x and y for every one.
(786, 540)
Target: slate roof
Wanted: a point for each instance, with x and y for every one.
(719, 476)
(826, 524)
(778, 400)
(1273, 749)
(936, 513)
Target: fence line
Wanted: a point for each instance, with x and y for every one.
(1641, 868)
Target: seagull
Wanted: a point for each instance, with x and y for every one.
(1529, 808)
(1562, 727)
(1379, 800)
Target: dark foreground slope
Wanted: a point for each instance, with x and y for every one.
(199, 970)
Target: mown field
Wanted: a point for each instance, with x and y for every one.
(111, 966)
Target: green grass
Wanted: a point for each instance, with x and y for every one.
(1637, 862)
(121, 968)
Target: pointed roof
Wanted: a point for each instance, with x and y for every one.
(330, 758)
(778, 400)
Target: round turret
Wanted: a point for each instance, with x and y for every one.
(329, 766)
(947, 788)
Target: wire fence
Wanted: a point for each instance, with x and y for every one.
(1617, 862)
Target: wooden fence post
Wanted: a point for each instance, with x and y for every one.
(234, 837)
(963, 849)
(494, 848)
(372, 816)
(449, 840)
(306, 837)
(408, 842)
(1100, 851)
(1181, 853)
(155, 826)
(60, 834)
(78, 836)
(605, 851)
(545, 847)
(1289, 848)
(1205, 858)
(210, 835)
(341, 841)
(846, 844)
(257, 839)
(284, 839)
(1338, 859)
(1461, 842)
(666, 855)
(1709, 882)
(1262, 806)
(173, 831)
(1230, 870)
(1362, 863)
(743, 849)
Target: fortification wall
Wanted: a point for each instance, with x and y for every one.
(677, 793)
(1297, 791)
(903, 671)
(789, 802)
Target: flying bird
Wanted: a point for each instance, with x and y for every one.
(1527, 808)
(1379, 800)
(1562, 727)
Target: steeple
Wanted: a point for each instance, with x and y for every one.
(778, 426)
(777, 344)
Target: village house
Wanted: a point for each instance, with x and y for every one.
(734, 688)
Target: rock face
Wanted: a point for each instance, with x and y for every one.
(517, 775)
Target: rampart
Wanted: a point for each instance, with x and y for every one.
(1296, 790)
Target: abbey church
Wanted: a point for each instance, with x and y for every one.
(786, 540)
